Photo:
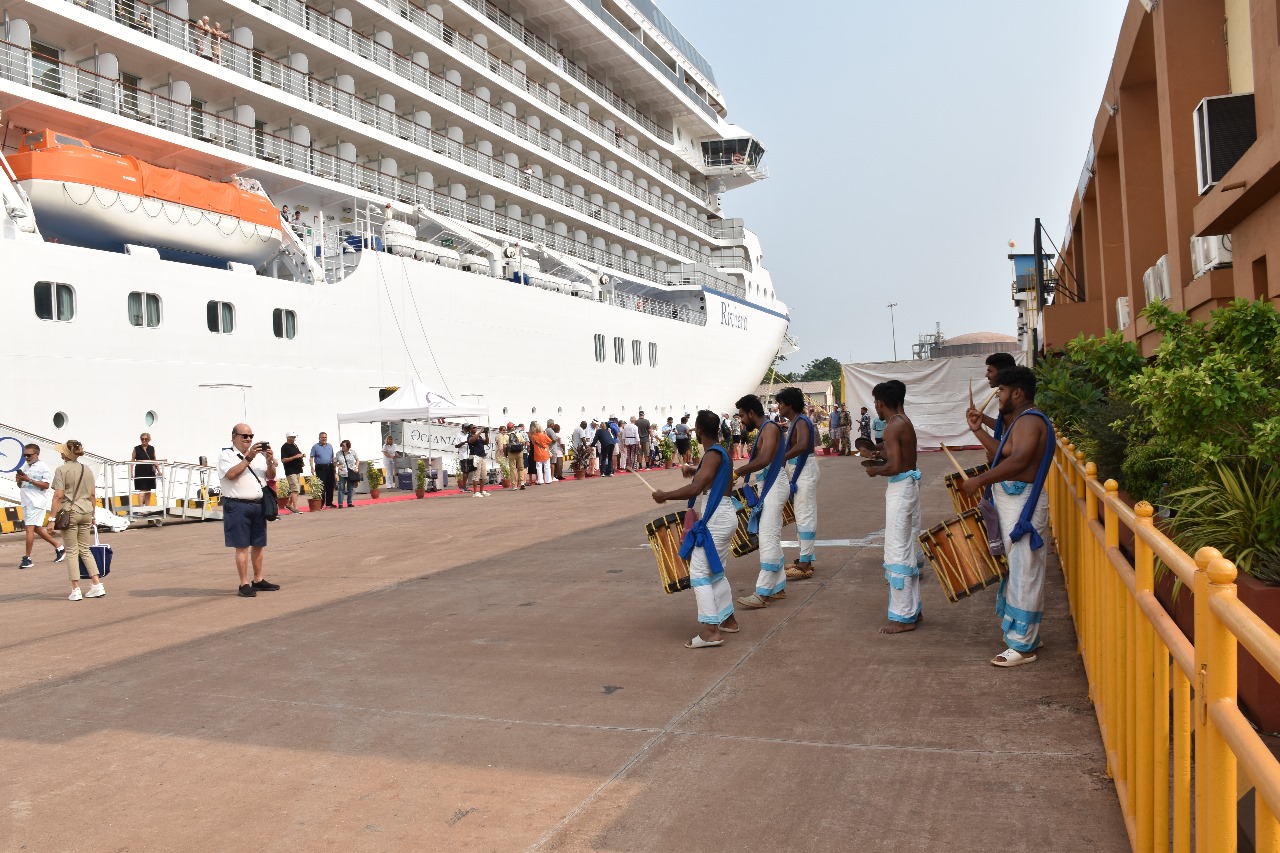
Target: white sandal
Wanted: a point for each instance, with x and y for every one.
(698, 643)
(1013, 657)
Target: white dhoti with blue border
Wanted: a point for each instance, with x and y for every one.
(773, 578)
(903, 557)
(805, 504)
(1020, 604)
(712, 591)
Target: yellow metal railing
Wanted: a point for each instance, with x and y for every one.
(1147, 708)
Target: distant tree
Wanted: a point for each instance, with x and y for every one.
(822, 370)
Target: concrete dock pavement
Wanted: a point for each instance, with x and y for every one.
(507, 675)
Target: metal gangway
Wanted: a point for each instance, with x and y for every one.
(184, 491)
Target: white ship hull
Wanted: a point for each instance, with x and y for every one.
(526, 353)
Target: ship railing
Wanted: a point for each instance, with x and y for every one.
(183, 489)
(343, 36)
(184, 35)
(179, 33)
(1178, 746)
(246, 140)
(656, 307)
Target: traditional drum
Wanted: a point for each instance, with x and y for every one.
(742, 542)
(665, 536)
(959, 499)
(957, 548)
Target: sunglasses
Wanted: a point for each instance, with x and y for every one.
(28, 455)
(245, 434)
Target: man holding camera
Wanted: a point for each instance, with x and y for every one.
(243, 470)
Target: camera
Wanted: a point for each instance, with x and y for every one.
(265, 445)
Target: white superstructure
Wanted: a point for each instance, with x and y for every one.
(518, 205)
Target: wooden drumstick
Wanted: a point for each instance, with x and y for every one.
(643, 480)
(989, 399)
(971, 393)
(959, 467)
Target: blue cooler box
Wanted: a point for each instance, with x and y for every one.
(404, 480)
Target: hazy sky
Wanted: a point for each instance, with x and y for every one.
(907, 143)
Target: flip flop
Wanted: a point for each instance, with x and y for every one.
(724, 630)
(698, 643)
(1012, 657)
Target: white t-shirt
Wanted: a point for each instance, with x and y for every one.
(34, 497)
(631, 434)
(243, 487)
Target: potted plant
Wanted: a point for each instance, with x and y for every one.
(580, 463)
(376, 479)
(420, 479)
(315, 494)
(695, 450)
(826, 445)
(666, 450)
(505, 480)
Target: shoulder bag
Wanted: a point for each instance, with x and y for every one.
(270, 504)
(62, 520)
(353, 472)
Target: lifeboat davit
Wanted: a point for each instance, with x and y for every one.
(100, 200)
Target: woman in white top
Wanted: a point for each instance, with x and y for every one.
(348, 471)
(390, 453)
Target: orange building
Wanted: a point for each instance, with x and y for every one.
(1177, 201)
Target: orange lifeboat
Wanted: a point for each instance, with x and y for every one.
(100, 200)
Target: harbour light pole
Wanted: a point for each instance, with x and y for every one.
(893, 330)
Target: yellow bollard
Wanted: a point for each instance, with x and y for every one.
(1216, 672)
(1146, 782)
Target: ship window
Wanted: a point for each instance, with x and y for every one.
(144, 309)
(635, 353)
(620, 350)
(599, 347)
(653, 355)
(221, 317)
(70, 141)
(55, 301)
(59, 420)
(284, 323)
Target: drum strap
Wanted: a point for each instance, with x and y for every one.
(1024, 525)
(803, 457)
(699, 536)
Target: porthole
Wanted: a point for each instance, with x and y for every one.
(149, 419)
(59, 420)
(559, 410)
(504, 410)
(534, 410)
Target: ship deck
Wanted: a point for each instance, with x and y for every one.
(506, 675)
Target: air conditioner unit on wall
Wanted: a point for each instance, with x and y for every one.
(1225, 127)
(1209, 253)
(1122, 313)
(1155, 281)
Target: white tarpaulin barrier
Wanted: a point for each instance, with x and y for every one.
(937, 394)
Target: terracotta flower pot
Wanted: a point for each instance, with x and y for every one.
(375, 493)
(420, 493)
(579, 475)
(314, 504)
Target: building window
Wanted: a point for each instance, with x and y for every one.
(599, 347)
(144, 309)
(620, 350)
(221, 317)
(635, 353)
(55, 301)
(284, 323)
(653, 355)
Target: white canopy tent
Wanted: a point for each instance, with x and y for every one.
(937, 394)
(415, 402)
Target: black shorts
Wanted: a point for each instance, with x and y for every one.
(682, 445)
(243, 525)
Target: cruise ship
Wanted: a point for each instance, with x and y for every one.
(275, 211)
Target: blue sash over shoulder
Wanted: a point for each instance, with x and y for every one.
(1024, 525)
(699, 536)
(770, 475)
(803, 457)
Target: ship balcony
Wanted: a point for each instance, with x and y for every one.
(732, 163)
